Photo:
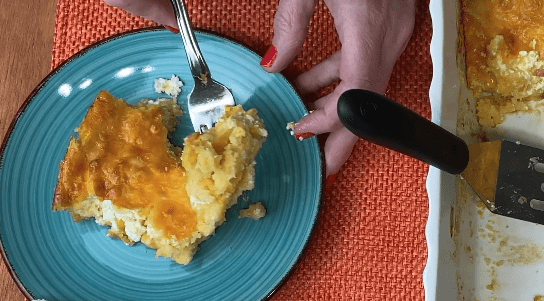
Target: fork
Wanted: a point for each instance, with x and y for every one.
(207, 100)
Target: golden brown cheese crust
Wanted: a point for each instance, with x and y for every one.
(518, 21)
(122, 155)
(503, 44)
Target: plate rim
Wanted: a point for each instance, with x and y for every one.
(82, 52)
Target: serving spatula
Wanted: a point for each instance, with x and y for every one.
(507, 176)
(207, 100)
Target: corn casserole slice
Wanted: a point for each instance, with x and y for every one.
(123, 172)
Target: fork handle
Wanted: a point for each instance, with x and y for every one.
(199, 68)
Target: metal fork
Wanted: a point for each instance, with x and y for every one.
(207, 100)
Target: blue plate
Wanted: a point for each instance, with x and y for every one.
(51, 257)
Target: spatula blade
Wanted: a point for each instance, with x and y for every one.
(519, 192)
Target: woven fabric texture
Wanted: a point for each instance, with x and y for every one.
(370, 240)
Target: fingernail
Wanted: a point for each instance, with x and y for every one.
(172, 29)
(303, 136)
(329, 183)
(269, 57)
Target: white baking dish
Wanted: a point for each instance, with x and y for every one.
(472, 253)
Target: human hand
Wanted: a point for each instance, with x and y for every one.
(160, 11)
(373, 34)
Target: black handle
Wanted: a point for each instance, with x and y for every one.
(380, 120)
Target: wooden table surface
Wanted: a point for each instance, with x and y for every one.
(26, 28)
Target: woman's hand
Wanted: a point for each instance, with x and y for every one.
(160, 11)
(373, 34)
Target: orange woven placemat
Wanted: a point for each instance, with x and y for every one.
(370, 240)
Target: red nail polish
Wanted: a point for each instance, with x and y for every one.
(303, 136)
(172, 29)
(269, 57)
(329, 183)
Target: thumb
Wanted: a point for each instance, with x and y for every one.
(290, 27)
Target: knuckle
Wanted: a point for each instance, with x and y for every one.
(290, 18)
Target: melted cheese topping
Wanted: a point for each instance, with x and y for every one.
(520, 22)
(122, 155)
(503, 43)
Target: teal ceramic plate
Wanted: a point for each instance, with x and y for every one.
(53, 258)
